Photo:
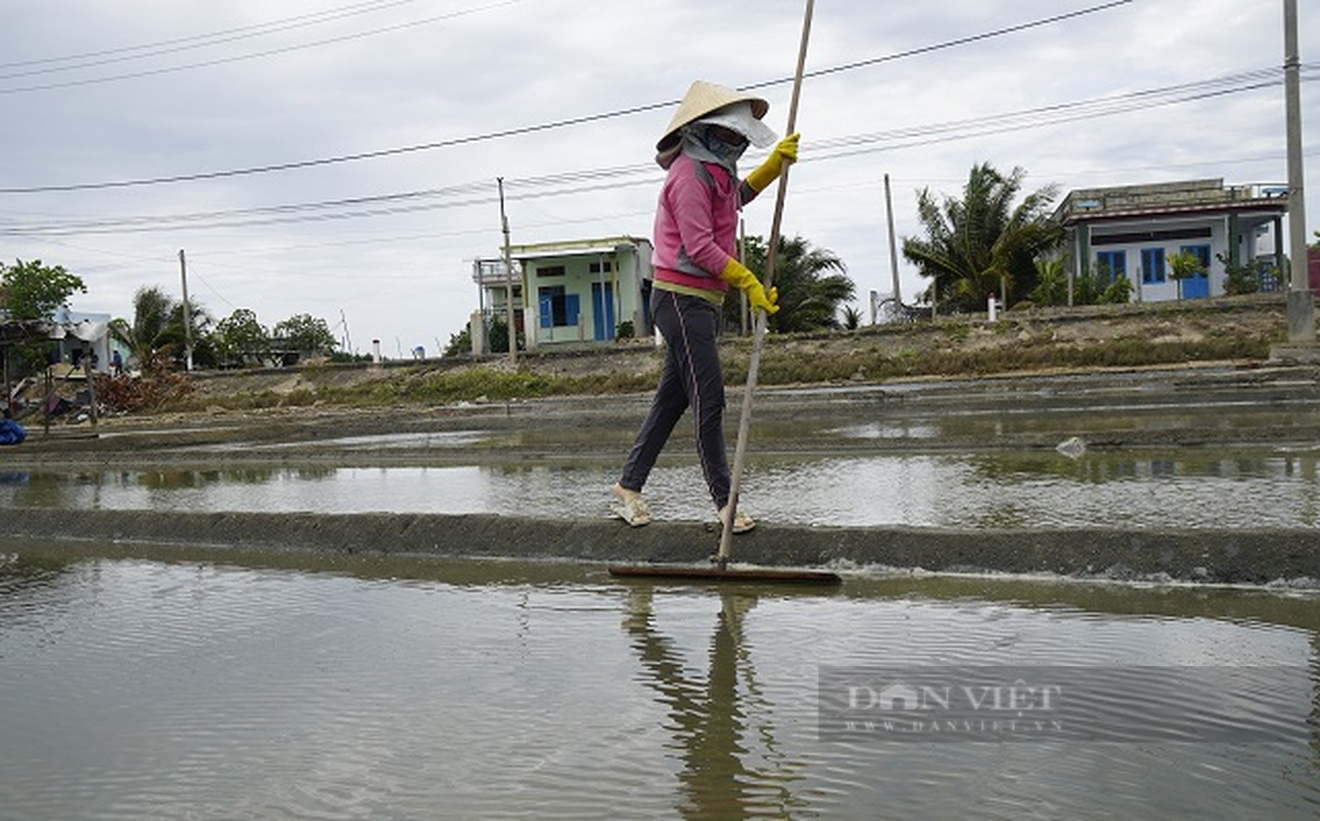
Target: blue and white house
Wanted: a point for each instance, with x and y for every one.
(571, 292)
(1133, 230)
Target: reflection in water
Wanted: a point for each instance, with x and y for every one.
(711, 718)
(399, 687)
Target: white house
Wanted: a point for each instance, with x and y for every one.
(1133, 230)
(570, 292)
(88, 332)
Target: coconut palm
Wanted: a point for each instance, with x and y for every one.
(809, 294)
(983, 243)
(157, 329)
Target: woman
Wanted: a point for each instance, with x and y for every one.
(695, 228)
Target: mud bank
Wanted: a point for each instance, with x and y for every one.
(1260, 556)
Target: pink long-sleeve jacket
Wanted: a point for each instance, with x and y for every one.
(696, 226)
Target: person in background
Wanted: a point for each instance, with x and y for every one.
(695, 230)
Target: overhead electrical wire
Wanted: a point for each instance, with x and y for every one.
(576, 182)
(947, 44)
(1055, 114)
(532, 129)
(90, 59)
(267, 53)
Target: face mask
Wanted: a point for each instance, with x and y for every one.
(722, 146)
(712, 148)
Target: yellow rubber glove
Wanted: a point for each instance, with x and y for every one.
(768, 171)
(735, 273)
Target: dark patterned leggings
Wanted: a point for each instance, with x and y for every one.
(691, 378)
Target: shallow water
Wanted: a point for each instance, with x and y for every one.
(1182, 488)
(375, 688)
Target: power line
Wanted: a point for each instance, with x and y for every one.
(576, 182)
(961, 41)
(123, 53)
(267, 53)
(1053, 115)
(531, 129)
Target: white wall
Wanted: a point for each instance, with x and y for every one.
(1167, 290)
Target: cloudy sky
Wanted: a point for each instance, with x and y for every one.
(340, 158)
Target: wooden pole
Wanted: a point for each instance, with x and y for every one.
(89, 376)
(45, 404)
(742, 295)
(758, 336)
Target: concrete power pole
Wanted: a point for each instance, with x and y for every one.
(508, 278)
(893, 247)
(187, 314)
(1301, 302)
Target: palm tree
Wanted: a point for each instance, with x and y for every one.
(151, 311)
(983, 244)
(809, 295)
(158, 330)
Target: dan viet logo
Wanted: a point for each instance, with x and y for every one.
(1076, 703)
(968, 708)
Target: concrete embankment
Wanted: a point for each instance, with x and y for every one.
(1216, 556)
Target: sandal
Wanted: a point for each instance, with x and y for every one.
(741, 521)
(632, 509)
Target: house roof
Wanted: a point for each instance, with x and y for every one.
(22, 331)
(576, 248)
(1189, 197)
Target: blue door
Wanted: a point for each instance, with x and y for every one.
(1198, 287)
(602, 310)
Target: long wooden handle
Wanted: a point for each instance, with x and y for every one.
(758, 333)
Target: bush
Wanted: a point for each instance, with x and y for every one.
(1118, 292)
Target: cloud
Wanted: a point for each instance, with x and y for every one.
(279, 87)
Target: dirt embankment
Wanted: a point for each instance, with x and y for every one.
(1021, 347)
(1163, 334)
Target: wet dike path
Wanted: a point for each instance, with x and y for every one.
(1281, 406)
(1201, 555)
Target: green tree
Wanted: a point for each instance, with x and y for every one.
(1051, 283)
(1184, 265)
(306, 334)
(983, 243)
(1117, 292)
(498, 336)
(240, 338)
(460, 343)
(32, 290)
(812, 284)
(1245, 278)
(156, 336)
(151, 313)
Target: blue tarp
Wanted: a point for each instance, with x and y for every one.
(11, 433)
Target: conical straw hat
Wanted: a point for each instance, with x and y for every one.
(702, 98)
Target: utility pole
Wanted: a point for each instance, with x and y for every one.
(893, 246)
(187, 314)
(1301, 302)
(508, 278)
(348, 338)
